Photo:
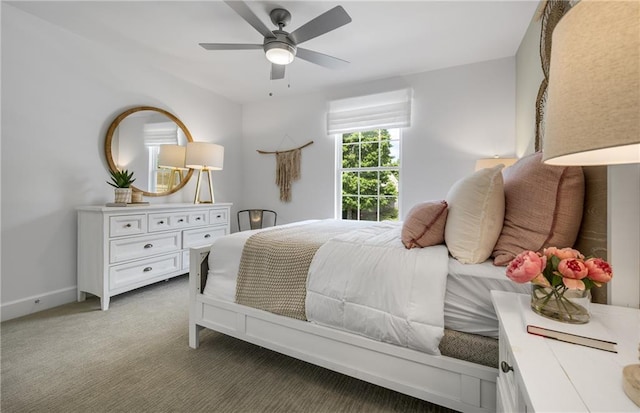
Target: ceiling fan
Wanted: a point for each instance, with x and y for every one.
(280, 47)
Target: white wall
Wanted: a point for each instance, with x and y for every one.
(460, 114)
(59, 95)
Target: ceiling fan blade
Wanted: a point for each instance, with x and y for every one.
(321, 59)
(322, 24)
(245, 12)
(229, 46)
(277, 71)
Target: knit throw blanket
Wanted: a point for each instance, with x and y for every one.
(274, 266)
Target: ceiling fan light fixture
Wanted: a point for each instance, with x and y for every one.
(279, 53)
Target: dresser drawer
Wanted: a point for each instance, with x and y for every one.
(199, 218)
(124, 275)
(201, 236)
(141, 247)
(168, 220)
(219, 216)
(163, 221)
(127, 225)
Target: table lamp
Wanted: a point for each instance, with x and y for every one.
(172, 157)
(593, 118)
(205, 157)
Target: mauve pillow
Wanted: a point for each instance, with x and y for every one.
(424, 225)
(476, 212)
(543, 207)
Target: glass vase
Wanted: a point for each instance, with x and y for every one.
(561, 304)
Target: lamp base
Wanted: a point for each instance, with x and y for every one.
(631, 382)
(172, 178)
(196, 199)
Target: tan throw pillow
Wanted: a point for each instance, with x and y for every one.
(543, 207)
(424, 225)
(476, 212)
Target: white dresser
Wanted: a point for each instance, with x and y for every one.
(538, 374)
(123, 248)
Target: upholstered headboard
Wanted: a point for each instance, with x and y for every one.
(592, 239)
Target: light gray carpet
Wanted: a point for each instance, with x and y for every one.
(135, 358)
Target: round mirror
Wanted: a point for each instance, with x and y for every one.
(149, 142)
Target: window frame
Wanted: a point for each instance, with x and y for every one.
(339, 171)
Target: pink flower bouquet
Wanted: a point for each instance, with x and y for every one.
(556, 272)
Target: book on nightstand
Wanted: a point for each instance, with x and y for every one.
(592, 334)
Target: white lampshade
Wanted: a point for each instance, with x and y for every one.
(593, 103)
(204, 155)
(171, 156)
(280, 53)
(491, 162)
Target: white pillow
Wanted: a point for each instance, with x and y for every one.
(475, 216)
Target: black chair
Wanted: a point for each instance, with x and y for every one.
(257, 218)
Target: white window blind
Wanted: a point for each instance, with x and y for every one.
(379, 111)
(160, 133)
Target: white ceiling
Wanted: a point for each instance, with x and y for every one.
(385, 38)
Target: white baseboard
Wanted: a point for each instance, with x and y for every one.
(33, 304)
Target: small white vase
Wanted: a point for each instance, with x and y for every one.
(123, 195)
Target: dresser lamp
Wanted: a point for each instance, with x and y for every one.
(593, 118)
(205, 157)
(171, 157)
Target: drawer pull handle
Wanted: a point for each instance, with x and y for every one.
(128, 226)
(148, 246)
(219, 216)
(506, 368)
(198, 219)
(147, 269)
(160, 222)
(181, 220)
(207, 235)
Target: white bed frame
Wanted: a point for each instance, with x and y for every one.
(442, 380)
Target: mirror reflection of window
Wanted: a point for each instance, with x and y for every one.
(155, 136)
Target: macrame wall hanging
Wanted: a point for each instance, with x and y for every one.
(287, 169)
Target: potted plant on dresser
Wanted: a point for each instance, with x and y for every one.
(121, 181)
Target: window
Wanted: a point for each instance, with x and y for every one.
(368, 130)
(369, 174)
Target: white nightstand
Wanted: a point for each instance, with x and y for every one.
(538, 374)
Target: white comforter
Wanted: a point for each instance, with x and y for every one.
(367, 283)
(364, 282)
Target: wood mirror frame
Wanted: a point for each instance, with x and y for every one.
(113, 164)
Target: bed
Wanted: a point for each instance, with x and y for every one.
(451, 374)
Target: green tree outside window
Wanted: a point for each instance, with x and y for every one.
(370, 176)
